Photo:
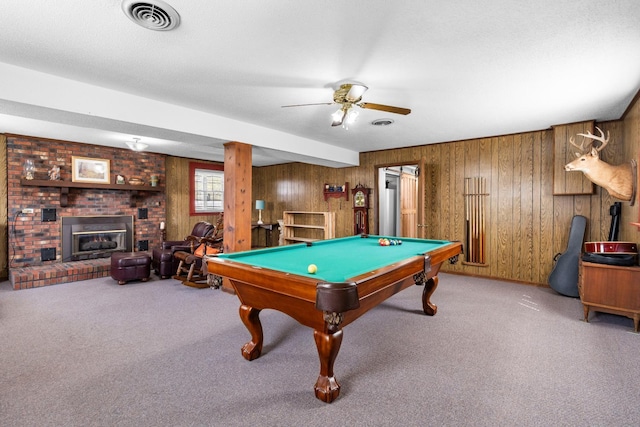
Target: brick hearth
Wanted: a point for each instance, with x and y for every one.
(61, 272)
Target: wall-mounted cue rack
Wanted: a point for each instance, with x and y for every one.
(475, 193)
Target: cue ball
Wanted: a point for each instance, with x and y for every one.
(312, 268)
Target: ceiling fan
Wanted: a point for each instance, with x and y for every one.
(348, 95)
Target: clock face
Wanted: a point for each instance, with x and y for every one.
(358, 200)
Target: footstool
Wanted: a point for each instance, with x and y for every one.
(163, 262)
(126, 266)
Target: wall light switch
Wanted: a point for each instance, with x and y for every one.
(27, 211)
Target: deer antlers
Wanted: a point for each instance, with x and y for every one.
(601, 138)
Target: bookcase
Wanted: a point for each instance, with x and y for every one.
(302, 226)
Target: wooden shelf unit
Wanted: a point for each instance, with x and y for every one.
(313, 226)
(64, 186)
(344, 192)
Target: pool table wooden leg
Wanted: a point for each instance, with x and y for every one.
(429, 288)
(250, 318)
(327, 388)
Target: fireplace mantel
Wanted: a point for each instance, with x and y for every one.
(64, 186)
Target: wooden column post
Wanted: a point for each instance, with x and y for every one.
(237, 200)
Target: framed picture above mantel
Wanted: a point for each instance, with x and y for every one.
(85, 169)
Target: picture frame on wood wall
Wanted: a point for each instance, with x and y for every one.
(86, 169)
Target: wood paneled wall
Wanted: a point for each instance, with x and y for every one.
(632, 151)
(526, 225)
(179, 222)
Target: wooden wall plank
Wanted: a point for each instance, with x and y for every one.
(458, 174)
(526, 206)
(547, 218)
(485, 171)
(536, 206)
(517, 194)
(444, 201)
(494, 198)
(505, 207)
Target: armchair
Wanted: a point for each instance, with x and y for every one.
(192, 269)
(164, 262)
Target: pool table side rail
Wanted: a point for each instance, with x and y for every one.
(305, 287)
(373, 287)
(277, 281)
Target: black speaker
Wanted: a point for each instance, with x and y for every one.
(143, 213)
(48, 254)
(48, 214)
(143, 245)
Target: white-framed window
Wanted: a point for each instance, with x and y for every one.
(207, 188)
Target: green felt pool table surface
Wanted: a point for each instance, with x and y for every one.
(337, 260)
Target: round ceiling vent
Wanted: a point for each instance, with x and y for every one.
(382, 122)
(152, 14)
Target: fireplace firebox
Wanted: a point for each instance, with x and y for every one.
(89, 237)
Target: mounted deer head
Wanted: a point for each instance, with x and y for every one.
(619, 180)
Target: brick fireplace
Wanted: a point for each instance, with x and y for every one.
(37, 213)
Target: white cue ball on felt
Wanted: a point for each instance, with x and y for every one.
(312, 268)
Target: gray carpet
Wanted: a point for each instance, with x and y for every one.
(161, 354)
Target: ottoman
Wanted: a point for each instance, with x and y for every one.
(126, 266)
(163, 262)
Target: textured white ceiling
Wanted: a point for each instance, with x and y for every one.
(82, 71)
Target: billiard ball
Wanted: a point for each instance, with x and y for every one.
(312, 268)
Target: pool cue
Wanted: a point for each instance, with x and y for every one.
(482, 230)
(467, 216)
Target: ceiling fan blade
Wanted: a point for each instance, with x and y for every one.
(304, 105)
(387, 108)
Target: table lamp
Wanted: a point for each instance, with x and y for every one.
(260, 207)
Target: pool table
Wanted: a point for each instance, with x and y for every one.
(354, 274)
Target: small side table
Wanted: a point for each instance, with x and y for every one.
(268, 231)
(610, 289)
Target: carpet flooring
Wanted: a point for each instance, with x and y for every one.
(93, 353)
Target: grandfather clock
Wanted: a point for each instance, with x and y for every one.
(361, 209)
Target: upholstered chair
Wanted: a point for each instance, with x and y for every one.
(164, 262)
(192, 269)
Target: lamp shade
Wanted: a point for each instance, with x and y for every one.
(259, 204)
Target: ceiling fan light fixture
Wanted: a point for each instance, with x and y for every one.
(136, 145)
(355, 92)
(352, 115)
(339, 116)
(350, 118)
